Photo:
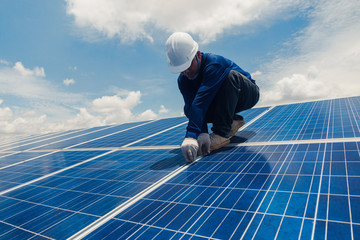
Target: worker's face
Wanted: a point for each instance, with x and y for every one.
(193, 69)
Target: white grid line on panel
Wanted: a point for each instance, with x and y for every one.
(25, 230)
(291, 193)
(354, 113)
(348, 197)
(256, 118)
(154, 134)
(27, 160)
(109, 134)
(309, 192)
(53, 173)
(96, 224)
(21, 145)
(257, 210)
(321, 176)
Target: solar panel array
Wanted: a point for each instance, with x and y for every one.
(292, 172)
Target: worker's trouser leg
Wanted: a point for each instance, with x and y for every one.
(236, 94)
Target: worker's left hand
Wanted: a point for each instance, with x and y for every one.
(189, 148)
(204, 143)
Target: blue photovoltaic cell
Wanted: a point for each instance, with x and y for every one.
(345, 118)
(13, 158)
(284, 123)
(126, 137)
(176, 136)
(258, 191)
(74, 198)
(68, 142)
(35, 168)
(252, 113)
(74, 138)
(26, 140)
(255, 190)
(38, 141)
(173, 137)
(338, 118)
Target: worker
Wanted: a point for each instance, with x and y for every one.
(214, 89)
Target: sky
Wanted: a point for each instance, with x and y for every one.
(82, 63)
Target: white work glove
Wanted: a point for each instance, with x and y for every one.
(204, 143)
(189, 148)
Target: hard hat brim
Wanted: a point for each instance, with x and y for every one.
(180, 68)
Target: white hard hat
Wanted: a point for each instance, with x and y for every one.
(180, 51)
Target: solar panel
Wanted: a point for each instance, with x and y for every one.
(337, 118)
(134, 134)
(292, 172)
(70, 138)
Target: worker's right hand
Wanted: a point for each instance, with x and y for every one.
(189, 148)
(204, 143)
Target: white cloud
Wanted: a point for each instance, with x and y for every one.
(84, 120)
(104, 111)
(23, 121)
(50, 109)
(163, 109)
(298, 87)
(37, 71)
(137, 19)
(38, 106)
(147, 115)
(25, 83)
(115, 108)
(328, 61)
(5, 114)
(68, 81)
(22, 126)
(4, 62)
(118, 108)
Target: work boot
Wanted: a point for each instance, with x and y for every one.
(235, 126)
(217, 141)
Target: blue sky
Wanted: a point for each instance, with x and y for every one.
(80, 63)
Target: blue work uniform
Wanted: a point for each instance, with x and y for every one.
(220, 90)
